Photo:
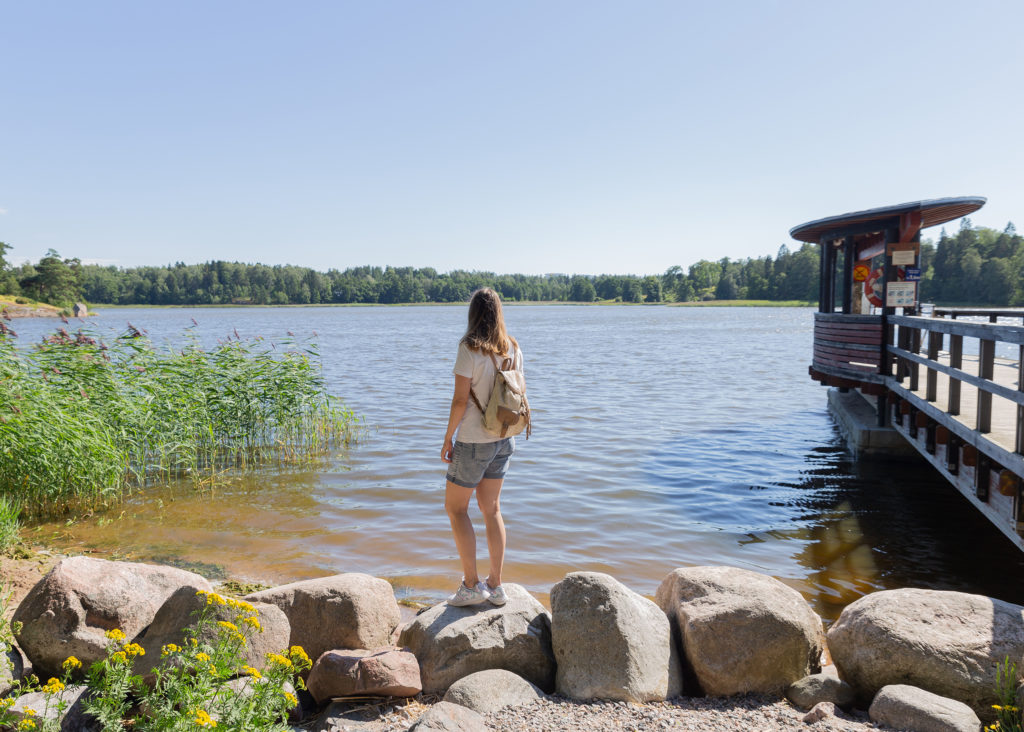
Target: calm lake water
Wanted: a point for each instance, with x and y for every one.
(663, 437)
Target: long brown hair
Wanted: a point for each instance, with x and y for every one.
(486, 329)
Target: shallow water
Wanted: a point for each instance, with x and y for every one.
(663, 437)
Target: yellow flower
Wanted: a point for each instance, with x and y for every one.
(252, 672)
(298, 655)
(253, 622)
(202, 657)
(291, 698)
(227, 625)
(212, 598)
(169, 649)
(194, 642)
(115, 635)
(202, 719)
(71, 663)
(278, 660)
(53, 686)
(134, 649)
(6, 703)
(119, 657)
(26, 724)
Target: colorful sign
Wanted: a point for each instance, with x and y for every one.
(913, 274)
(861, 271)
(901, 295)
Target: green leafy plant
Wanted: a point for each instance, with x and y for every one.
(1009, 717)
(82, 422)
(205, 682)
(10, 527)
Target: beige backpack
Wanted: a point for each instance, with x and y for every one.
(507, 412)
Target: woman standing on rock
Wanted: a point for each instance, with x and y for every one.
(478, 459)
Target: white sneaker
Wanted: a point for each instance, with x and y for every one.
(496, 595)
(469, 595)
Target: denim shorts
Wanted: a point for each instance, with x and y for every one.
(474, 461)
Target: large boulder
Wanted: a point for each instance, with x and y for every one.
(948, 643)
(44, 706)
(447, 717)
(452, 642)
(741, 632)
(343, 611)
(611, 643)
(381, 672)
(909, 708)
(69, 611)
(181, 610)
(491, 690)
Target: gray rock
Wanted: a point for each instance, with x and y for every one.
(741, 631)
(68, 612)
(380, 672)
(821, 687)
(341, 717)
(181, 611)
(452, 642)
(447, 717)
(910, 708)
(947, 643)
(820, 711)
(343, 611)
(611, 643)
(11, 669)
(74, 718)
(491, 690)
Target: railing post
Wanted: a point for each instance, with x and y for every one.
(986, 370)
(1020, 409)
(932, 378)
(915, 347)
(956, 361)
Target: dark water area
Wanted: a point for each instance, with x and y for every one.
(664, 437)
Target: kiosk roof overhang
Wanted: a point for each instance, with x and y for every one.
(933, 212)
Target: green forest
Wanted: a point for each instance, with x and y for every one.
(975, 266)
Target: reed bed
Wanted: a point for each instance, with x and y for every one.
(82, 421)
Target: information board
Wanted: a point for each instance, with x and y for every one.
(901, 295)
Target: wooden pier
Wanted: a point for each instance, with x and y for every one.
(950, 384)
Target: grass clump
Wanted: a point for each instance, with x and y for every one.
(10, 527)
(82, 421)
(1008, 713)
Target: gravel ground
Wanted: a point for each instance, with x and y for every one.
(555, 714)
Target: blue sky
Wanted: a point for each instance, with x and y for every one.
(575, 136)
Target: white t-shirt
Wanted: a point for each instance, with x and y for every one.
(478, 367)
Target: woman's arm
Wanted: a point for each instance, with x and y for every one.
(459, 401)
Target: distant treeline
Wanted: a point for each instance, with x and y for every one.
(977, 265)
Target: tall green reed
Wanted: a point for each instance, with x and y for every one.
(82, 421)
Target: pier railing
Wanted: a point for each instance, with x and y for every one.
(977, 394)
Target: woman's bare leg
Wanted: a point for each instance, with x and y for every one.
(456, 503)
(488, 493)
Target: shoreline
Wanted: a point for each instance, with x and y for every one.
(510, 303)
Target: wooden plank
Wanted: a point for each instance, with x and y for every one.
(1008, 333)
(986, 370)
(842, 364)
(956, 361)
(850, 327)
(845, 344)
(842, 318)
(869, 340)
(871, 377)
(932, 379)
